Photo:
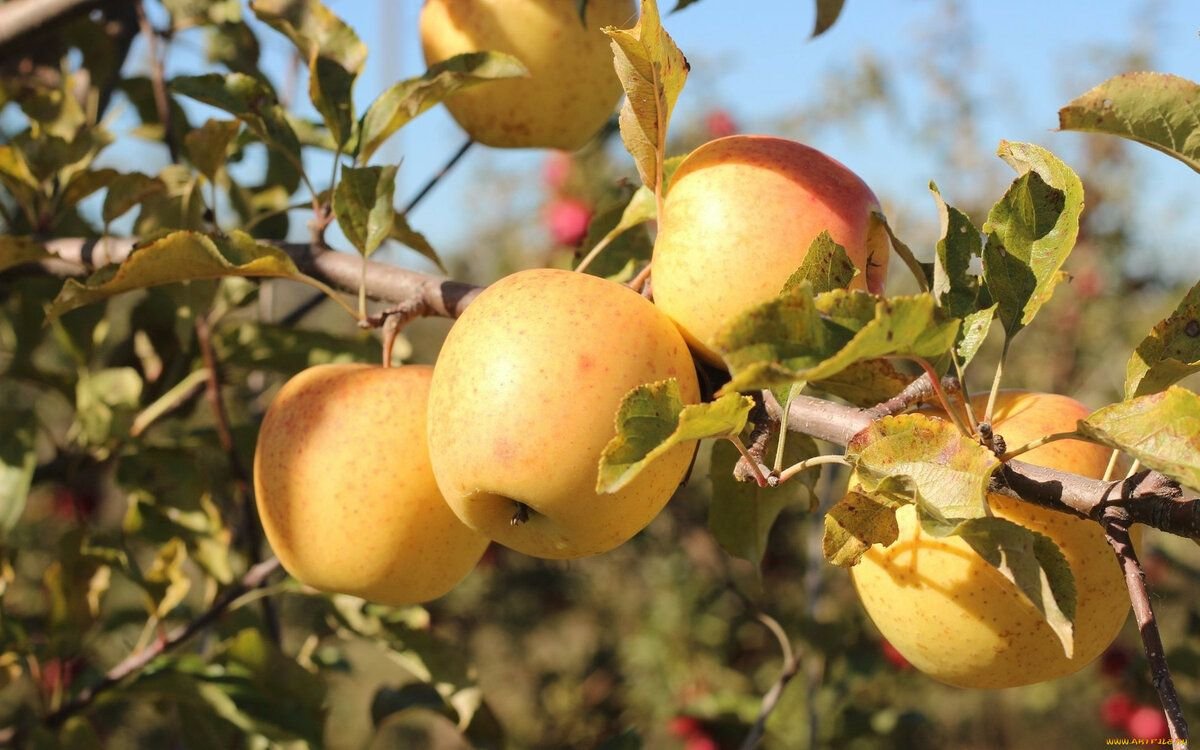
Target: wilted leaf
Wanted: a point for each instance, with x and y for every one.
(399, 104)
(17, 462)
(411, 238)
(742, 514)
(1030, 232)
(1162, 430)
(247, 99)
(17, 251)
(128, 190)
(208, 145)
(856, 522)
(1167, 355)
(363, 204)
(947, 472)
(1034, 564)
(827, 13)
(1155, 109)
(180, 256)
(826, 266)
(798, 338)
(652, 419)
(652, 71)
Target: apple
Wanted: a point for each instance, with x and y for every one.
(893, 656)
(738, 219)
(719, 123)
(567, 219)
(556, 170)
(955, 617)
(572, 88)
(523, 401)
(1147, 723)
(345, 491)
(1114, 662)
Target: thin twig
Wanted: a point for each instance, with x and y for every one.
(436, 178)
(162, 101)
(760, 435)
(138, 660)
(251, 534)
(791, 668)
(1116, 530)
(916, 392)
(755, 472)
(1039, 442)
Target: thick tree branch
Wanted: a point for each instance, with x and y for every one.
(437, 296)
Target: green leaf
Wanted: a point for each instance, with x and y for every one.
(128, 190)
(17, 462)
(1162, 430)
(17, 251)
(247, 99)
(865, 383)
(363, 204)
(403, 101)
(798, 338)
(1169, 353)
(312, 27)
(331, 89)
(1034, 564)
(613, 223)
(179, 256)
(404, 234)
(1030, 232)
(84, 184)
(166, 582)
(208, 145)
(856, 522)
(652, 419)
(652, 72)
(975, 327)
(826, 266)
(742, 514)
(946, 472)
(955, 288)
(105, 403)
(1155, 109)
(827, 13)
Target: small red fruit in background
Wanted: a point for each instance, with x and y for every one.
(894, 657)
(700, 742)
(555, 170)
(567, 219)
(1114, 662)
(684, 726)
(1116, 709)
(719, 123)
(1147, 723)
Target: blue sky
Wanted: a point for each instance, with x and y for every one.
(1021, 59)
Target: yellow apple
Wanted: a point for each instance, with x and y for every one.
(345, 491)
(955, 617)
(524, 399)
(738, 220)
(572, 86)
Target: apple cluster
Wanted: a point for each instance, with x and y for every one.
(389, 483)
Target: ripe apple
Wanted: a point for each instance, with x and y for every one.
(523, 401)
(738, 220)
(955, 617)
(345, 491)
(1116, 709)
(572, 87)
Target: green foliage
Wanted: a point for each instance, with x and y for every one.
(652, 419)
(1169, 353)
(1155, 109)
(1162, 430)
(857, 521)
(825, 267)
(363, 204)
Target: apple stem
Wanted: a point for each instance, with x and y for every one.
(1071, 435)
(808, 463)
(520, 515)
(1116, 531)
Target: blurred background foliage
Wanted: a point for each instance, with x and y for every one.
(139, 517)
